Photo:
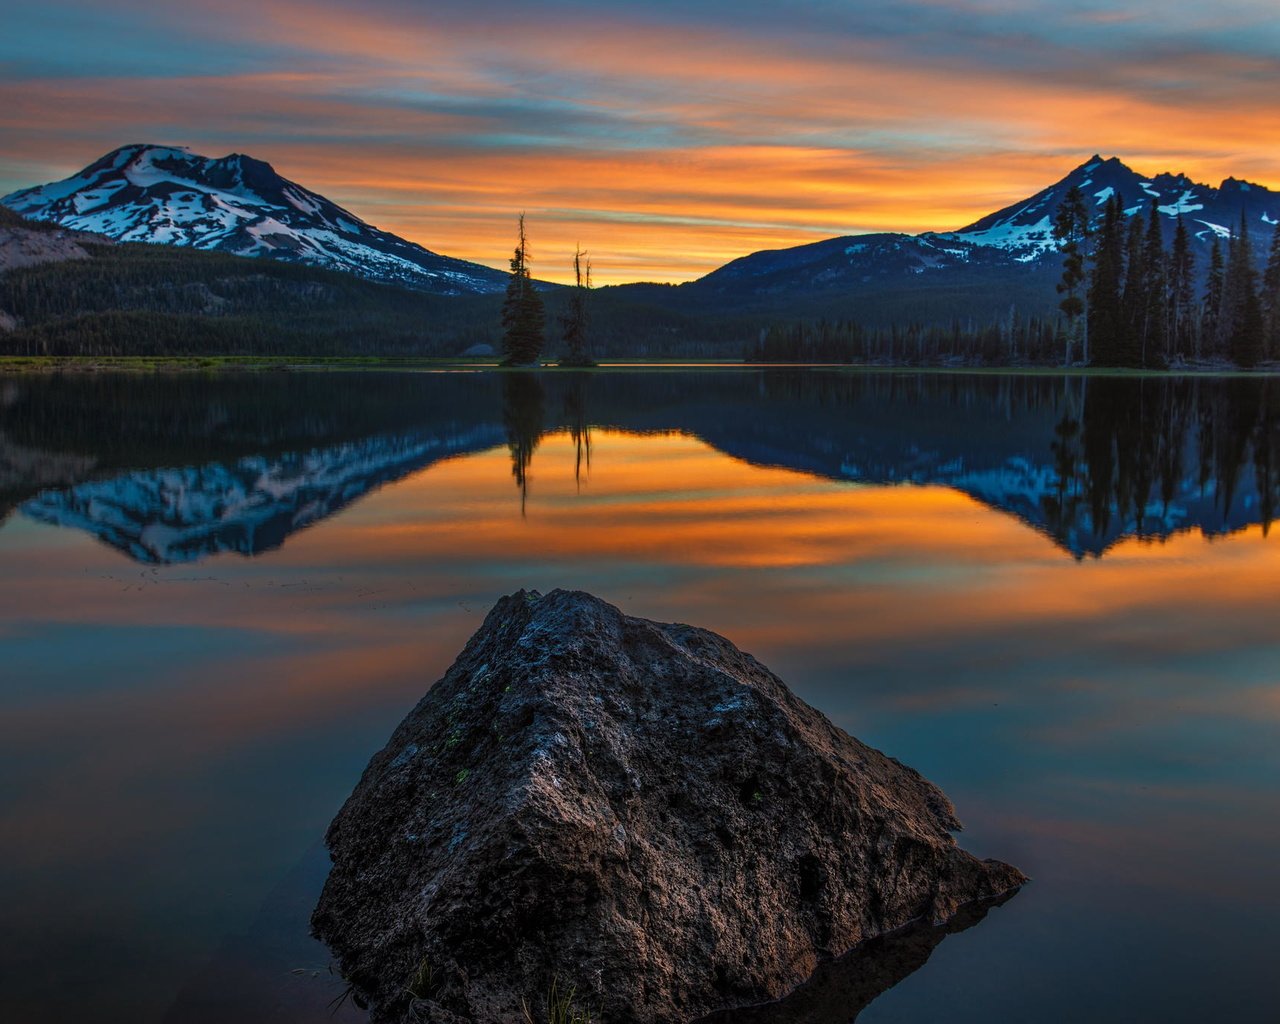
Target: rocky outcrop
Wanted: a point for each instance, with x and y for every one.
(22, 246)
(638, 810)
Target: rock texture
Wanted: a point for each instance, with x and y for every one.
(25, 243)
(637, 809)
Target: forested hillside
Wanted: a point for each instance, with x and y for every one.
(150, 300)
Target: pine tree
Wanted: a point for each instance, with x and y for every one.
(1231, 305)
(1155, 321)
(1271, 297)
(574, 322)
(1212, 301)
(1182, 274)
(1104, 311)
(1133, 300)
(1071, 232)
(1241, 329)
(523, 318)
(1250, 346)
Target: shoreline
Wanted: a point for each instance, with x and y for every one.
(21, 365)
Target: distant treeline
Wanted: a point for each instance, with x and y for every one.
(1012, 341)
(1128, 301)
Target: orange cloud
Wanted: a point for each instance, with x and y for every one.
(665, 149)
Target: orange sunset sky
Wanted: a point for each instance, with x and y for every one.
(667, 138)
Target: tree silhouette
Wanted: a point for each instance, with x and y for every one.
(1155, 319)
(1182, 277)
(1240, 322)
(1105, 315)
(1271, 297)
(1212, 301)
(574, 321)
(1071, 232)
(523, 317)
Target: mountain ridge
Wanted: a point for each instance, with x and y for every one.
(239, 205)
(997, 270)
(1002, 247)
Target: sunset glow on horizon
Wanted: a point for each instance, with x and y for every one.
(666, 139)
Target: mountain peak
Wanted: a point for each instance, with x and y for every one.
(145, 192)
(1025, 228)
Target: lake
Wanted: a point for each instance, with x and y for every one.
(1054, 596)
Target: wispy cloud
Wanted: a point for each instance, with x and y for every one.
(667, 137)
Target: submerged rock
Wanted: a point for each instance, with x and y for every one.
(635, 810)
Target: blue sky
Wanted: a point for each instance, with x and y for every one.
(666, 137)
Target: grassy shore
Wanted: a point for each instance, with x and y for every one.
(261, 364)
(216, 364)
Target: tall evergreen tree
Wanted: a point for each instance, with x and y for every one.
(1250, 342)
(574, 321)
(1104, 311)
(1271, 296)
(1133, 300)
(523, 317)
(1231, 305)
(1212, 302)
(1155, 321)
(1071, 232)
(1182, 275)
(1241, 327)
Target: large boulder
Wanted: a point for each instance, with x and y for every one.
(637, 811)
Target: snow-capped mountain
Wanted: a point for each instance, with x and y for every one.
(241, 205)
(1009, 254)
(1025, 228)
(236, 204)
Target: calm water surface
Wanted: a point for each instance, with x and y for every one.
(1055, 597)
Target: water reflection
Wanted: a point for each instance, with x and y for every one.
(579, 423)
(842, 988)
(174, 737)
(241, 464)
(522, 416)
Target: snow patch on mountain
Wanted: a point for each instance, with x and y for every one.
(1217, 229)
(1027, 240)
(1185, 203)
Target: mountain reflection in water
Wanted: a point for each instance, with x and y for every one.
(174, 738)
(175, 470)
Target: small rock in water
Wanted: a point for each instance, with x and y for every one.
(633, 811)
